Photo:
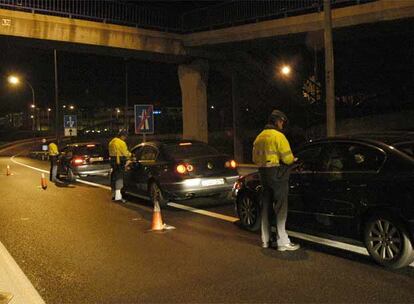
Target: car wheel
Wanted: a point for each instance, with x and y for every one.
(387, 242)
(156, 195)
(71, 177)
(248, 210)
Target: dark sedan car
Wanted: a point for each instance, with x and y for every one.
(83, 159)
(179, 170)
(359, 187)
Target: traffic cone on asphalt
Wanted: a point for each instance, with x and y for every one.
(157, 224)
(43, 182)
(8, 170)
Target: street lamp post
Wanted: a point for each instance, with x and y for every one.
(48, 118)
(14, 80)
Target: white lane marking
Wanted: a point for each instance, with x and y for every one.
(24, 165)
(204, 212)
(47, 172)
(93, 184)
(13, 280)
(232, 219)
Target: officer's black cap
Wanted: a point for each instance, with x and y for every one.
(123, 133)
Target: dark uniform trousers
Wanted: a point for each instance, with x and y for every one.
(53, 167)
(117, 174)
(274, 197)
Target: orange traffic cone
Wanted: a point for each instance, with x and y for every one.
(8, 170)
(43, 182)
(157, 224)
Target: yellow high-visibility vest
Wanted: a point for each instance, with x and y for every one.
(53, 149)
(118, 148)
(270, 147)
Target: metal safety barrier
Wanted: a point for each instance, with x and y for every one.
(250, 11)
(225, 14)
(100, 10)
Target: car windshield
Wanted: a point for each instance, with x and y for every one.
(91, 149)
(407, 148)
(189, 150)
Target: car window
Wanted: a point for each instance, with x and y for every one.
(407, 148)
(148, 153)
(349, 157)
(188, 150)
(90, 149)
(136, 153)
(310, 158)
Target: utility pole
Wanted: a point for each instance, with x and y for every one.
(126, 124)
(329, 70)
(237, 142)
(56, 99)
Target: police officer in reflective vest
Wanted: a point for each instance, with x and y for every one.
(118, 154)
(272, 154)
(53, 156)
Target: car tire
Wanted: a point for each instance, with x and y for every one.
(388, 242)
(71, 176)
(155, 193)
(248, 210)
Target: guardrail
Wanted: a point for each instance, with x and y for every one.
(226, 14)
(100, 10)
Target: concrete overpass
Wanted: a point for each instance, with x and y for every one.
(186, 49)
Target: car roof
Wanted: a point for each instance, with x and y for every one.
(171, 142)
(80, 144)
(389, 138)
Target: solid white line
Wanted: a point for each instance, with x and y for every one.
(299, 235)
(227, 218)
(78, 180)
(24, 165)
(93, 184)
(14, 281)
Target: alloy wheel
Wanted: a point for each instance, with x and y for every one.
(248, 211)
(384, 240)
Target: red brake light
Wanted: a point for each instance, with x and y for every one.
(184, 168)
(181, 169)
(231, 164)
(77, 161)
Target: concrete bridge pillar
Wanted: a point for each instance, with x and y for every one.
(193, 82)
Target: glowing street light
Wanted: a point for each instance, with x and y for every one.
(14, 80)
(286, 70)
(71, 107)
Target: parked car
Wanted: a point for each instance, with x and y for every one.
(359, 187)
(179, 170)
(83, 159)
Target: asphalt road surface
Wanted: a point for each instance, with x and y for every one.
(76, 246)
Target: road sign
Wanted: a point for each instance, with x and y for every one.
(70, 121)
(144, 119)
(71, 132)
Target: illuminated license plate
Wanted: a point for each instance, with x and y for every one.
(95, 159)
(212, 182)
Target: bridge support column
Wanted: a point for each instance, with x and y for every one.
(193, 82)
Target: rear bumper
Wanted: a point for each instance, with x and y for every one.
(100, 170)
(199, 187)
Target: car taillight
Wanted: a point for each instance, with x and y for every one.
(231, 164)
(184, 168)
(77, 161)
